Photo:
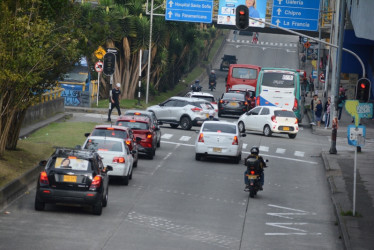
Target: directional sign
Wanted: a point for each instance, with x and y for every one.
(198, 11)
(296, 15)
(99, 66)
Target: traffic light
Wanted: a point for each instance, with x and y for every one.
(363, 90)
(109, 63)
(242, 17)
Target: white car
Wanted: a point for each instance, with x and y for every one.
(219, 138)
(268, 120)
(206, 96)
(115, 153)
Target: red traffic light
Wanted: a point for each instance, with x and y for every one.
(241, 12)
(242, 17)
(363, 90)
(363, 85)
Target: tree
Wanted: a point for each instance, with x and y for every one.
(36, 46)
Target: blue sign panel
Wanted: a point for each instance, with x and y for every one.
(356, 135)
(198, 11)
(296, 15)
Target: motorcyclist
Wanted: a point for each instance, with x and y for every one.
(196, 86)
(211, 116)
(213, 78)
(255, 154)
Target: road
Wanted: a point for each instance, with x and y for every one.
(175, 202)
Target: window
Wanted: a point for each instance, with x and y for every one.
(71, 163)
(109, 133)
(255, 111)
(265, 111)
(180, 103)
(278, 79)
(244, 73)
(103, 145)
(169, 103)
(234, 96)
(219, 128)
(134, 124)
(206, 98)
(284, 113)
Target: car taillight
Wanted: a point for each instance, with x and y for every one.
(235, 141)
(257, 101)
(119, 159)
(245, 103)
(44, 178)
(296, 121)
(252, 172)
(220, 101)
(274, 118)
(96, 182)
(201, 137)
(128, 142)
(295, 104)
(149, 136)
(196, 109)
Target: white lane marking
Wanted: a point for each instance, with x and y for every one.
(286, 215)
(261, 42)
(180, 144)
(280, 151)
(271, 43)
(245, 145)
(286, 44)
(185, 138)
(264, 148)
(299, 153)
(166, 136)
(280, 44)
(284, 158)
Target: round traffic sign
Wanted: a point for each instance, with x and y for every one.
(321, 77)
(99, 66)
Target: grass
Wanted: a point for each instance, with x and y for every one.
(350, 213)
(39, 146)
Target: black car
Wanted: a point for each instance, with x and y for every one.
(232, 104)
(153, 119)
(226, 61)
(73, 176)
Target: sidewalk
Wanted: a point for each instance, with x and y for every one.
(357, 232)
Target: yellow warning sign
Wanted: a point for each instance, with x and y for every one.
(100, 53)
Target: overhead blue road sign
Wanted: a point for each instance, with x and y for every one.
(198, 11)
(296, 14)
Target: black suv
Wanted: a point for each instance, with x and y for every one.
(73, 176)
(226, 61)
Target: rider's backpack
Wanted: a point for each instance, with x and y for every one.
(212, 78)
(253, 163)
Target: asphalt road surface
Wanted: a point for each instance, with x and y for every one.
(176, 202)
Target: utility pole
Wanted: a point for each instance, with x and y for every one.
(319, 45)
(335, 85)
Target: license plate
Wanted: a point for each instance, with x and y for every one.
(286, 128)
(217, 150)
(233, 104)
(252, 177)
(207, 115)
(70, 178)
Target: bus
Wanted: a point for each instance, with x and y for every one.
(280, 87)
(244, 74)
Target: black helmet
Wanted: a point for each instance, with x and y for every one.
(255, 151)
(197, 81)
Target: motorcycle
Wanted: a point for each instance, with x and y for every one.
(254, 176)
(196, 88)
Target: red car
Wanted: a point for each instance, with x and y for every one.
(118, 132)
(142, 128)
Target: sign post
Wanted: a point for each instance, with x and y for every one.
(98, 68)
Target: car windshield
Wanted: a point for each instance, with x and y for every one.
(71, 163)
(103, 145)
(284, 113)
(109, 132)
(133, 124)
(219, 128)
(278, 79)
(244, 73)
(207, 98)
(233, 96)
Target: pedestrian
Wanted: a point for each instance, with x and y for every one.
(114, 100)
(235, 35)
(304, 86)
(327, 112)
(313, 108)
(318, 113)
(341, 101)
(311, 85)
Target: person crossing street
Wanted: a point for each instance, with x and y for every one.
(114, 100)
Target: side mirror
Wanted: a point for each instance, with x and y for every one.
(87, 134)
(108, 168)
(244, 135)
(43, 163)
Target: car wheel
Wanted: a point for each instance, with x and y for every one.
(292, 136)
(267, 130)
(97, 209)
(174, 125)
(186, 123)
(241, 127)
(150, 155)
(125, 180)
(105, 200)
(198, 157)
(154, 152)
(219, 114)
(237, 159)
(39, 206)
(135, 164)
(159, 143)
(130, 175)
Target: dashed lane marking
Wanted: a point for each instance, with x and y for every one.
(264, 148)
(280, 151)
(185, 138)
(166, 136)
(245, 145)
(299, 153)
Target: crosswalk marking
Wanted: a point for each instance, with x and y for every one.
(299, 153)
(264, 148)
(166, 136)
(245, 145)
(280, 151)
(185, 138)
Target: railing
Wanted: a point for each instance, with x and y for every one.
(51, 95)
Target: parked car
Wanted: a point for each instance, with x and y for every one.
(144, 131)
(268, 120)
(114, 152)
(73, 176)
(153, 119)
(219, 139)
(232, 104)
(204, 95)
(182, 111)
(118, 132)
(226, 61)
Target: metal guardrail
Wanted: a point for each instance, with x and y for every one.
(51, 95)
